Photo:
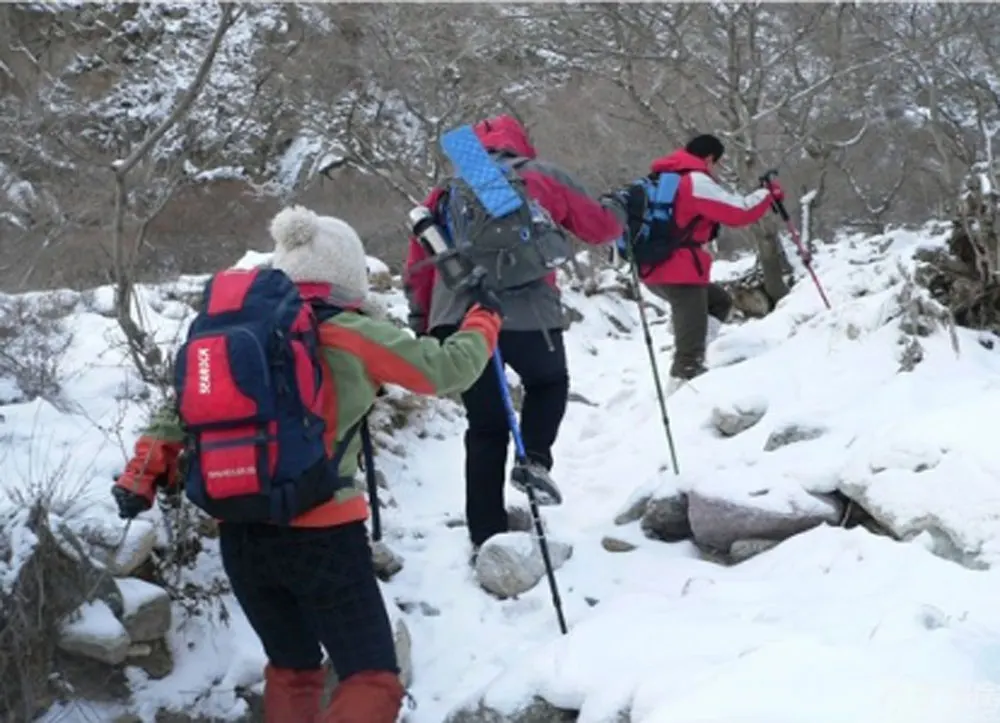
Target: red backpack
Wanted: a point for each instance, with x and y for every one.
(249, 383)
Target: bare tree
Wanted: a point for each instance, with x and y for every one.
(145, 355)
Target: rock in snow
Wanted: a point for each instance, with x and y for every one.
(511, 563)
(634, 507)
(94, 632)
(743, 550)
(738, 416)
(717, 522)
(134, 550)
(666, 517)
(387, 563)
(791, 434)
(613, 544)
(147, 614)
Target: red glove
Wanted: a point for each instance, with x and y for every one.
(153, 464)
(776, 190)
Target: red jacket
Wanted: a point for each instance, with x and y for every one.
(700, 195)
(569, 205)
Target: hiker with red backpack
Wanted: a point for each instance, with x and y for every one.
(672, 215)
(519, 254)
(278, 372)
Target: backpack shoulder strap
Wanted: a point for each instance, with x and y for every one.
(324, 310)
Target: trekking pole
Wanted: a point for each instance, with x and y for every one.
(459, 275)
(530, 477)
(804, 254)
(665, 418)
(368, 451)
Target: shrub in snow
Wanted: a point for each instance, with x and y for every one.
(33, 340)
(44, 579)
(537, 710)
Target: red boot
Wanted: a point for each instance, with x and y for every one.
(367, 697)
(292, 696)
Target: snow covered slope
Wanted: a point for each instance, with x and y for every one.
(832, 625)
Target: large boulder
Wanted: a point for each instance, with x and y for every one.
(717, 522)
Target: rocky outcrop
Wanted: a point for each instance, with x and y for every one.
(59, 593)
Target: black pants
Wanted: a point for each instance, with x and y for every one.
(301, 588)
(545, 380)
(690, 307)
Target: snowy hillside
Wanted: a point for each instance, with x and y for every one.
(861, 429)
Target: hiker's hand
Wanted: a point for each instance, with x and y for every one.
(130, 504)
(777, 192)
(486, 299)
(805, 256)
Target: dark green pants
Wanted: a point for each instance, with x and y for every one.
(690, 307)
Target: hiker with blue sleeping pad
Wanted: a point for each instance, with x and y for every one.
(672, 215)
(518, 254)
(278, 372)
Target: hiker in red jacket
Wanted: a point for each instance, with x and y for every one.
(701, 205)
(531, 339)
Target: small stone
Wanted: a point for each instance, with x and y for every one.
(737, 417)
(424, 608)
(613, 544)
(386, 562)
(147, 614)
(404, 652)
(790, 435)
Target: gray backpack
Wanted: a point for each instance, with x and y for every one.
(515, 250)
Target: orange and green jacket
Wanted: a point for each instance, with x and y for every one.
(361, 355)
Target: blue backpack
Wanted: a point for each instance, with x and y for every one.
(652, 234)
(250, 386)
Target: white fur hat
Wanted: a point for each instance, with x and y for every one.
(320, 249)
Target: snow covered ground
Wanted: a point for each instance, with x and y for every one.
(833, 625)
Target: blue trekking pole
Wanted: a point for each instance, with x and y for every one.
(531, 479)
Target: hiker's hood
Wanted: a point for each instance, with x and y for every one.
(504, 133)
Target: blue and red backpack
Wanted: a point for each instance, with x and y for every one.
(249, 386)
